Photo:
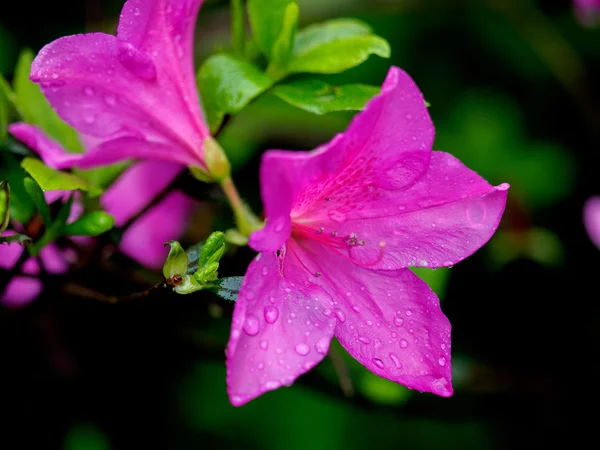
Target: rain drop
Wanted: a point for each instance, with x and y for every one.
(442, 361)
(340, 315)
(302, 349)
(251, 326)
(89, 91)
(378, 363)
(265, 271)
(403, 343)
(110, 100)
(408, 312)
(271, 314)
(364, 340)
(322, 346)
(398, 321)
(396, 361)
(264, 345)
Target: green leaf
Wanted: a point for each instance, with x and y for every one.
(21, 205)
(319, 97)
(193, 255)
(37, 195)
(91, 224)
(4, 106)
(213, 249)
(284, 44)
(227, 84)
(35, 109)
(339, 55)
(53, 180)
(177, 261)
(53, 231)
(322, 33)
(18, 238)
(4, 205)
(266, 19)
(227, 288)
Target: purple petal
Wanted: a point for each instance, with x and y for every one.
(390, 321)
(20, 291)
(53, 260)
(448, 214)
(279, 329)
(591, 219)
(137, 187)
(108, 88)
(9, 253)
(145, 238)
(387, 146)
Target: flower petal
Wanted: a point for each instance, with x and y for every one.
(390, 321)
(165, 30)
(137, 187)
(279, 329)
(107, 88)
(445, 216)
(591, 219)
(20, 291)
(145, 238)
(387, 146)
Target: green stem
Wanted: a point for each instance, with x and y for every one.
(238, 31)
(246, 221)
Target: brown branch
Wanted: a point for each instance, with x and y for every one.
(85, 292)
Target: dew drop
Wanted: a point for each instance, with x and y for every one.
(364, 340)
(340, 315)
(322, 346)
(251, 325)
(398, 321)
(378, 363)
(265, 271)
(302, 349)
(89, 91)
(264, 345)
(396, 361)
(271, 314)
(110, 99)
(261, 366)
(403, 343)
(442, 361)
(408, 312)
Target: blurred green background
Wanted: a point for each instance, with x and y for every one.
(514, 94)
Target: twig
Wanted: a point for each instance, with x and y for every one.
(85, 292)
(342, 372)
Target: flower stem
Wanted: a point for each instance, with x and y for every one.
(245, 219)
(238, 32)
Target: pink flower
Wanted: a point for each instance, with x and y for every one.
(344, 223)
(129, 195)
(591, 219)
(587, 11)
(136, 92)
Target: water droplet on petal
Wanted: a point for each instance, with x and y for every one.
(340, 315)
(136, 61)
(251, 325)
(408, 312)
(442, 361)
(322, 345)
(261, 366)
(89, 91)
(88, 117)
(270, 385)
(398, 321)
(396, 361)
(378, 363)
(265, 271)
(110, 99)
(264, 345)
(403, 343)
(302, 349)
(271, 314)
(364, 340)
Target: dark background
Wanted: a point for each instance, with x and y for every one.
(514, 94)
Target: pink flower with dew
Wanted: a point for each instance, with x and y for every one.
(136, 91)
(26, 286)
(587, 11)
(343, 224)
(591, 219)
(128, 196)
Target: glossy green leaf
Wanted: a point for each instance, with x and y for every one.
(35, 109)
(177, 261)
(213, 248)
(316, 35)
(4, 205)
(284, 44)
(53, 180)
(93, 223)
(319, 97)
(266, 19)
(4, 107)
(339, 55)
(227, 84)
(227, 288)
(37, 196)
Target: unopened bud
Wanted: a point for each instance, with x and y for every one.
(177, 261)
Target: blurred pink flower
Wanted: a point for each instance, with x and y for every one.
(343, 224)
(587, 11)
(591, 219)
(136, 91)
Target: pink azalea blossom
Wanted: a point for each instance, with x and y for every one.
(587, 11)
(128, 196)
(343, 224)
(591, 219)
(135, 92)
